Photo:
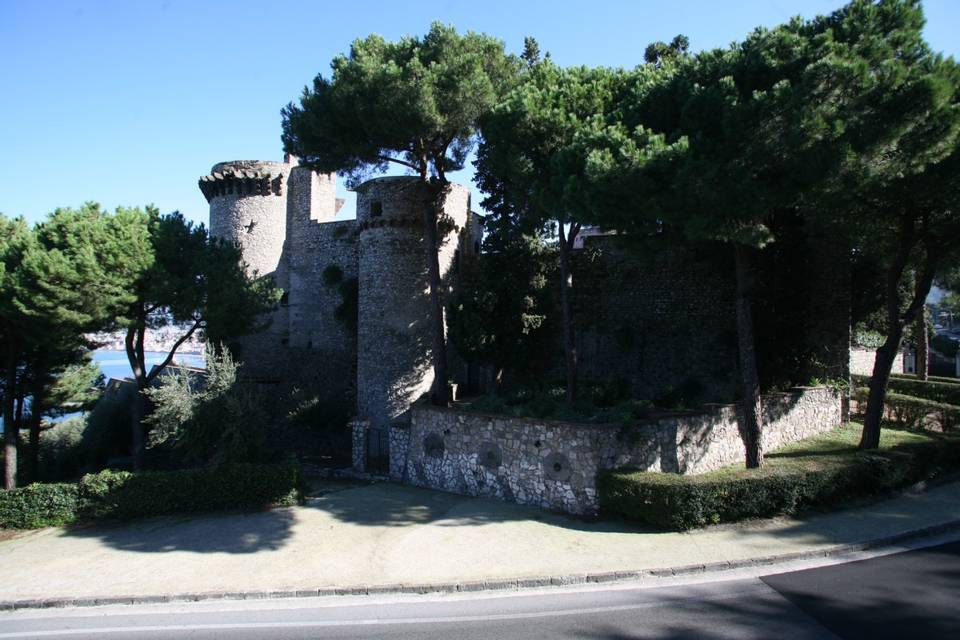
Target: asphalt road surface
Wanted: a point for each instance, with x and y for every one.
(915, 594)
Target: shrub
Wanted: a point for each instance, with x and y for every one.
(912, 412)
(678, 502)
(912, 376)
(214, 418)
(934, 390)
(945, 345)
(38, 505)
(108, 427)
(124, 495)
(60, 454)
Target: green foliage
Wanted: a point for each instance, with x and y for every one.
(123, 495)
(599, 403)
(107, 433)
(210, 418)
(499, 317)
(658, 53)
(817, 474)
(945, 345)
(346, 312)
(61, 454)
(867, 338)
(413, 102)
(913, 412)
(944, 392)
(913, 376)
(77, 388)
(332, 275)
(39, 505)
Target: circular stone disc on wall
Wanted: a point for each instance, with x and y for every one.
(490, 455)
(556, 467)
(433, 445)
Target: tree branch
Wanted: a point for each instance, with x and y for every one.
(176, 345)
(402, 162)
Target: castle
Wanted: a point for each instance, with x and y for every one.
(354, 321)
(373, 268)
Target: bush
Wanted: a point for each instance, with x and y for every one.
(108, 427)
(943, 392)
(911, 412)
(945, 346)
(682, 502)
(212, 418)
(61, 455)
(124, 495)
(597, 403)
(39, 505)
(912, 376)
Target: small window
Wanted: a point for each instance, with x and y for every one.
(376, 209)
(285, 299)
(476, 246)
(284, 341)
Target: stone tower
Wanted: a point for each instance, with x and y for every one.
(276, 213)
(394, 366)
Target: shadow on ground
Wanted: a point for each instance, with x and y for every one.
(388, 505)
(239, 533)
(394, 505)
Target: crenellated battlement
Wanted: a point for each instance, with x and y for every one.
(242, 182)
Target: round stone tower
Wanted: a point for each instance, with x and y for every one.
(394, 366)
(248, 206)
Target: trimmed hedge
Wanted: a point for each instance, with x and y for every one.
(913, 376)
(678, 502)
(39, 505)
(945, 392)
(911, 411)
(123, 495)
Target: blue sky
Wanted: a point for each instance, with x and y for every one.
(129, 102)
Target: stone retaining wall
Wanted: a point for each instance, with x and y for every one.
(554, 464)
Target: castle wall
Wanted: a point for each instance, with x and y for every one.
(322, 320)
(394, 365)
(661, 323)
(248, 206)
(554, 464)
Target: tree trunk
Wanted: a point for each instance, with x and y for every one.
(566, 311)
(870, 437)
(9, 422)
(882, 365)
(36, 415)
(751, 411)
(134, 347)
(438, 334)
(923, 345)
(138, 411)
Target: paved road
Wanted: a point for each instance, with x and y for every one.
(906, 595)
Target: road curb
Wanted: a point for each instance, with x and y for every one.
(492, 584)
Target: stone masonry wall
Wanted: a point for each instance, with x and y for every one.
(256, 221)
(661, 322)
(554, 464)
(394, 366)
